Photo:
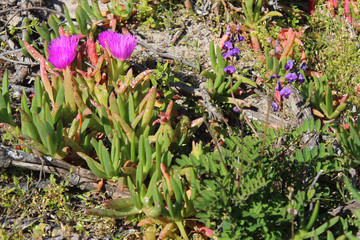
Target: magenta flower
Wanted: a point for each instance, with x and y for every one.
(62, 51)
(229, 69)
(120, 46)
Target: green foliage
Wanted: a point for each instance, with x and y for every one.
(314, 91)
(350, 142)
(333, 49)
(219, 84)
(5, 108)
(276, 186)
(252, 199)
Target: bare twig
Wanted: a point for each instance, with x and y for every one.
(18, 62)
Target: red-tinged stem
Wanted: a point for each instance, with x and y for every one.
(312, 4)
(347, 11)
(61, 31)
(92, 50)
(255, 43)
(45, 79)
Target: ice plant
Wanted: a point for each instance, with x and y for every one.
(119, 45)
(62, 51)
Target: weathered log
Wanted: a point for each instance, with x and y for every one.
(77, 176)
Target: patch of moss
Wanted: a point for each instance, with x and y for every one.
(334, 50)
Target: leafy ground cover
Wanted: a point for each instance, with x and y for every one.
(210, 120)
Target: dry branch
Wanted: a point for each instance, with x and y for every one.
(77, 176)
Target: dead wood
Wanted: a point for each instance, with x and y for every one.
(77, 176)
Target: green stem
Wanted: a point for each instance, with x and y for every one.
(182, 229)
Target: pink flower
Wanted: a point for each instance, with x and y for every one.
(120, 46)
(62, 51)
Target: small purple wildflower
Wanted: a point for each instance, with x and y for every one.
(268, 40)
(277, 76)
(240, 38)
(235, 109)
(229, 69)
(278, 86)
(62, 51)
(121, 46)
(275, 106)
(301, 78)
(234, 52)
(303, 66)
(291, 77)
(228, 31)
(289, 65)
(228, 45)
(285, 92)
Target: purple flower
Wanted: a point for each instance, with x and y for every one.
(228, 45)
(234, 52)
(277, 76)
(240, 38)
(291, 77)
(303, 66)
(228, 31)
(62, 51)
(268, 40)
(301, 78)
(278, 86)
(289, 65)
(120, 46)
(229, 69)
(275, 106)
(235, 109)
(285, 92)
